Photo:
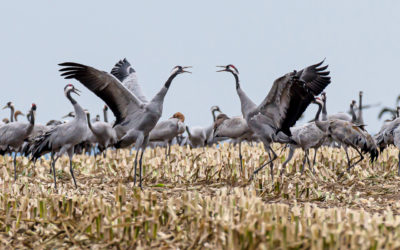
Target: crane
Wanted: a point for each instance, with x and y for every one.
(135, 116)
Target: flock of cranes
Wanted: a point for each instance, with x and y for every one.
(137, 120)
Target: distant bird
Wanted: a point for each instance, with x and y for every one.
(104, 134)
(18, 113)
(96, 119)
(167, 130)
(135, 116)
(13, 134)
(70, 114)
(288, 98)
(360, 119)
(10, 105)
(392, 111)
(310, 136)
(340, 115)
(199, 136)
(61, 139)
(5, 120)
(349, 135)
(234, 128)
(105, 109)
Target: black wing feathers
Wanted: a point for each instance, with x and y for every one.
(102, 84)
(122, 69)
(306, 84)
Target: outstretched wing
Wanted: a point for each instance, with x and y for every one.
(291, 94)
(120, 100)
(127, 75)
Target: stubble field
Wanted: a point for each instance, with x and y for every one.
(200, 199)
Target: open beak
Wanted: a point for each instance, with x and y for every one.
(186, 67)
(221, 70)
(77, 91)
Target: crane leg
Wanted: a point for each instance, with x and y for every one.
(240, 156)
(313, 164)
(304, 160)
(134, 167)
(309, 164)
(265, 164)
(15, 165)
(359, 160)
(290, 156)
(398, 170)
(71, 170)
(53, 166)
(140, 168)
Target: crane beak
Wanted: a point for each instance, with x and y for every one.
(5, 107)
(77, 91)
(222, 70)
(186, 67)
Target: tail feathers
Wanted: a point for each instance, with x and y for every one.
(40, 146)
(283, 138)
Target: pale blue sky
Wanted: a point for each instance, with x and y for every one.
(263, 39)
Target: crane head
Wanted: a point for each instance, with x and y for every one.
(180, 69)
(9, 105)
(105, 107)
(33, 107)
(71, 88)
(215, 108)
(179, 116)
(229, 68)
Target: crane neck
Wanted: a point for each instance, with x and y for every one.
(169, 81)
(213, 114)
(105, 115)
(32, 116)
(88, 120)
(79, 113)
(353, 114)
(360, 119)
(237, 80)
(318, 112)
(324, 112)
(12, 113)
(188, 131)
(158, 99)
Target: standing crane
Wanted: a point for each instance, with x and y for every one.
(288, 98)
(349, 135)
(135, 116)
(62, 138)
(235, 128)
(13, 134)
(10, 105)
(167, 130)
(103, 133)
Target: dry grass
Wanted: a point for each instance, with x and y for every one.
(200, 199)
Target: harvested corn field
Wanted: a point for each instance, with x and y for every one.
(200, 199)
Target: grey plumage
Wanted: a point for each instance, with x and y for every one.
(166, 131)
(288, 98)
(235, 128)
(349, 135)
(13, 135)
(135, 116)
(62, 138)
(103, 134)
